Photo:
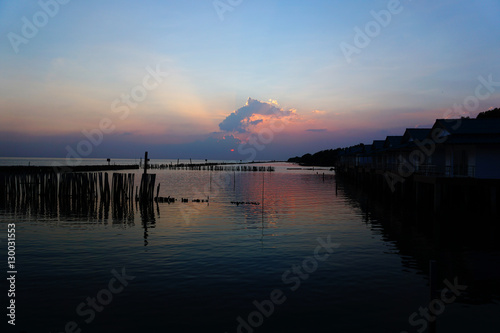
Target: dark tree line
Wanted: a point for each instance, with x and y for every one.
(321, 158)
(495, 113)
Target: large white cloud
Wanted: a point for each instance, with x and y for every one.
(240, 120)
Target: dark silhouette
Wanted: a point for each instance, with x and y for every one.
(321, 158)
(495, 113)
(330, 157)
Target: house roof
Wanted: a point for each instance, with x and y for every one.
(412, 134)
(378, 144)
(469, 126)
(469, 131)
(368, 149)
(355, 149)
(393, 141)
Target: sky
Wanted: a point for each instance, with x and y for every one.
(237, 79)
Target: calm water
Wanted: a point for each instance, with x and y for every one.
(39, 161)
(198, 266)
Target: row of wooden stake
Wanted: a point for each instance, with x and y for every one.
(81, 187)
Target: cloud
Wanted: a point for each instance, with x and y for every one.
(317, 130)
(318, 112)
(256, 122)
(251, 114)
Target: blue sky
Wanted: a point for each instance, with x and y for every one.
(284, 54)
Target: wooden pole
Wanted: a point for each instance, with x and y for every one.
(146, 162)
(433, 285)
(437, 196)
(493, 200)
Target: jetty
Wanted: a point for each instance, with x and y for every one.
(212, 167)
(24, 169)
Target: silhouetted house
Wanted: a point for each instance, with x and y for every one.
(354, 157)
(453, 165)
(349, 157)
(451, 148)
(377, 157)
(393, 141)
(413, 135)
(392, 151)
(465, 147)
(412, 140)
(378, 145)
(365, 158)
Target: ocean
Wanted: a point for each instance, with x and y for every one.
(294, 250)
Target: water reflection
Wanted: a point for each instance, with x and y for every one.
(214, 264)
(118, 212)
(463, 247)
(148, 218)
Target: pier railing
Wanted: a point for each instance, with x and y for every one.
(447, 171)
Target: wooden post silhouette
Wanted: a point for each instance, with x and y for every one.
(146, 162)
(146, 191)
(433, 288)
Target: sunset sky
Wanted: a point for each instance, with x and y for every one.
(210, 79)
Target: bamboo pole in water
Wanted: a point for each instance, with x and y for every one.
(70, 192)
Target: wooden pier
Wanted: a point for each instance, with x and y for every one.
(24, 169)
(212, 167)
(434, 196)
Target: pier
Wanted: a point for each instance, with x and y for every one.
(24, 169)
(212, 167)
(426, 195)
